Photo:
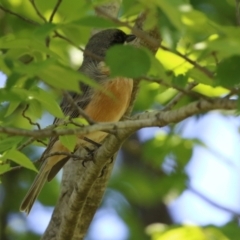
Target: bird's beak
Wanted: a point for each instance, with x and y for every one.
(130, 37)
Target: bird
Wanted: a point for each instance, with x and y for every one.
(101, 106)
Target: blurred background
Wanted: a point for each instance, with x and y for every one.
(164, 178)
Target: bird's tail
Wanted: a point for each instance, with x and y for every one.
(34, 191)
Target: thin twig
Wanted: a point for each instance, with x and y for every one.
(190, 188)
(32, 139)
(29, 141)
(214, 54)
(185, 91)
(57, 34)
(82, 125)
(80, 110)
(91, 54)
(29, 119)
(194, 63)
(37, 11)
(42, 142)
(18, 15)
(11, 170)
(238, 11)
(178, 97)
(67, 154)
(47, 42)
(55, 10)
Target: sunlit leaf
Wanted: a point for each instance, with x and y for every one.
(4, 168)
(19, 158)
(48, 102)
(8, 142)
(69, 141)
(12, 107)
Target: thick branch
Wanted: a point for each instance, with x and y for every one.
(61, 226)
(150, 119)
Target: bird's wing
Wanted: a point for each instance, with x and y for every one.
(81, 99)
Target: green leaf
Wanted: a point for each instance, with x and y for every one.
(180, 80)
(228, 71)
(189, 232)
(27, 42)
(231, 230)
(69, 141)
(43, 31)
(9, 142)
(171, 9)
(16, 94)
(95, 21)
(60, 76)
(48, 102)
(16, 53)
(212, 233)
(12, 107)
(138, 188)
(12, 80)
(50, 193)
(19, 158)
(157, 69)
(35, 108)
(128, 61)
(157, 149)
(4, 168)
(81, 121)
(199, 76)
(10, 41)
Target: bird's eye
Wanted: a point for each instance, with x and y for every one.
(118, 39)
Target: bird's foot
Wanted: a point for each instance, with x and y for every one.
(90, 151)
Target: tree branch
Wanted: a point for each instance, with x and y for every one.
(179, 96)
(238, 11)
(55, 10)
(186, 91)
(194, 63)
(29, 119)
(82, 188)
(237, 214)
(37, 11)
(89, 200)
(157, 118)
(18, 15)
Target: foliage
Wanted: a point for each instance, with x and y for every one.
(200, 45)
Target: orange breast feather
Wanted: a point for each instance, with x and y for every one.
(111, 107)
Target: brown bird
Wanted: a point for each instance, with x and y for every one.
(98, 105)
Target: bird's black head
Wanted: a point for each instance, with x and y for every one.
(102, 41)
(96, 49)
